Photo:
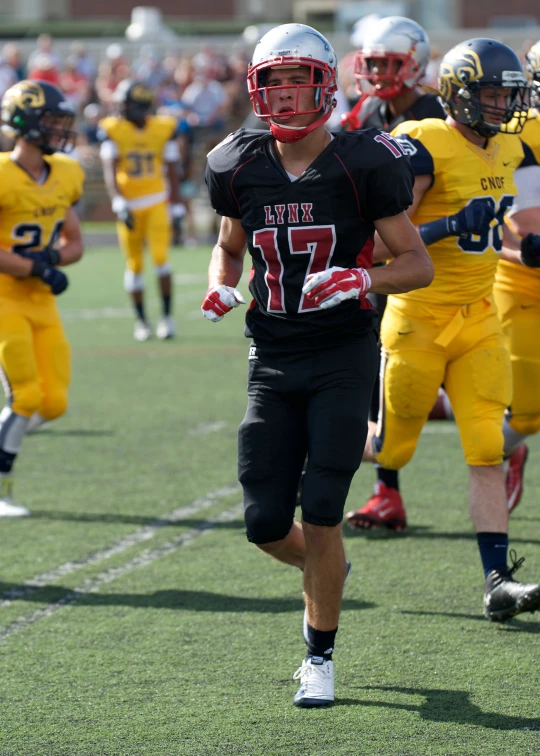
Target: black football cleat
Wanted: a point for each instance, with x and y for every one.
(505, 597)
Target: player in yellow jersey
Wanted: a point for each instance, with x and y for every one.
(136, 149)
(38, 232)
(517, 296)
(449, 332)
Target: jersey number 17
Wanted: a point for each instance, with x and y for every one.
(317, 243)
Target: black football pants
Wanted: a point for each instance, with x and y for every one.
(313, 403)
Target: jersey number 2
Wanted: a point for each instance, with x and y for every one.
(316, 241)
(33, 234)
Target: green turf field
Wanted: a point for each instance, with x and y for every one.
(136, 619)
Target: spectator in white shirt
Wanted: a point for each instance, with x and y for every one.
(44, 47)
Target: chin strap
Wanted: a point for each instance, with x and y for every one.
(289, 134)
(350, 121)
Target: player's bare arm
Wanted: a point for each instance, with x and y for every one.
(411, 267)
(521, 238)
(227, 260)
(526, 221)
(71, 241)
(173, 172)
(110, 166)
(225, 271)
(421, 185)
(15, 265)
(119, 203)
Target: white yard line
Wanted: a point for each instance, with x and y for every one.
(98, 313)
(190, 279)
(143, 534)
(440, 429)
(92, 585)
(203, 429)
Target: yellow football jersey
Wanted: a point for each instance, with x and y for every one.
(32, 214)
(464, 266)
(140, 153)
(511, 276)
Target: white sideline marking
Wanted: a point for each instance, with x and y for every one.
(435, 429)
(204, 428)
(188, 279)
(97, 314)
(92, 585)
(123, 543)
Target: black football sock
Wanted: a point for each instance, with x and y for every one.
(390, 478)
(139, 309)
(166, 306)
(321, 642)
(6, 461)
(493, 551)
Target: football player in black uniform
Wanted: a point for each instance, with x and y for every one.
(307, 204)
(388, 69)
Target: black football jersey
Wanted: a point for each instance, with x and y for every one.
(294, 228)
(380, 117)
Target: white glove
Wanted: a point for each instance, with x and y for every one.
(219, 300)
(119, 204)
(333, 286)
(120, 207)
(178, 210)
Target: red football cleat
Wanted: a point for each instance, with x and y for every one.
(514, 476)
(384, 510)
(442, 409)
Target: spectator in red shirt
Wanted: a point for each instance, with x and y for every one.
(45, 70)
(74, 85)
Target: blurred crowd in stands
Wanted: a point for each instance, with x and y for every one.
(202, 90)
(207, 91)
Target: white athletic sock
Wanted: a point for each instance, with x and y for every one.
(512, 439)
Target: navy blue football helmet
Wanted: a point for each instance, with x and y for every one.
(39, 113)
(482, 85)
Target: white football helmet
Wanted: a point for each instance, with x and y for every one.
(393, 58)
(292, 46)
(532, 69)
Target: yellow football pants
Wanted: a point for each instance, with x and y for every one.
(422, 349)
(34, 357)
(520, 317)
(153, 227)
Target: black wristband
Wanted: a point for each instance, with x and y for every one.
(54, 255)
(530, 251)
(38, 268)
(432, 232)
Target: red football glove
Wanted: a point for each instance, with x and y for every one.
(335, 285)
(219, 300)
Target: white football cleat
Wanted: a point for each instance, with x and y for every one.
(142, 330)
(305, 623)
(166, 328)
(7, 507)
(316, 682)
